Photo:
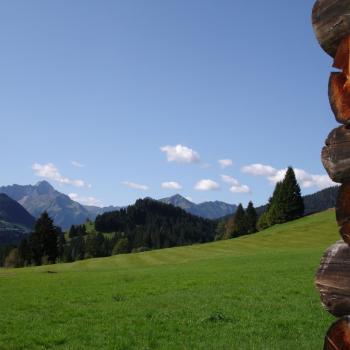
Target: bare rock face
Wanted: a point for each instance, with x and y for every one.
(333, 279)
(336, 154)
(338, 336)
(331, 23)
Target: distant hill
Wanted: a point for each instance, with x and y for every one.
(316, 202)
(207, 210)
(152, 224)
(15, 221)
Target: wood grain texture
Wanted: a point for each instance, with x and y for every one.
(333, 279)
(339, 97)
(331, 23)
(335, 155)
(338, 336)
(342, 209)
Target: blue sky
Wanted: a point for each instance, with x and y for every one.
(115, 86)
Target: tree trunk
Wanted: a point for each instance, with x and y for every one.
(331, 22)
(333, 279)
(338, 336)
(336, 154)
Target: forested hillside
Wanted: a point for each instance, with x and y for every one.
(152, 224)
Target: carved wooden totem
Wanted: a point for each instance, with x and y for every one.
(331, 22)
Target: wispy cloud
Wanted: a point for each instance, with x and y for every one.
(224, 163)
(207, 185)
(50, 171)
(171, 185)
(274, 175)
(180, 154)
(85, 200)
(235, 186)
(135, 186)
(77, 164)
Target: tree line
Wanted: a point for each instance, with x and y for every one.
(146, 225)
(285, 204)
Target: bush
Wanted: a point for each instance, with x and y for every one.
(121, 247)
(13, 259)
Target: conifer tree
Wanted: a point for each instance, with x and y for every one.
(292, 200)
(251, 218)
(240, 222)
(44, 240)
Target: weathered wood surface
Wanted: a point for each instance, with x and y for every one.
(342, 209)
(331, 22)
(336, 154)
(338, 336)
(339, 97)
(339, 83)
(333, 279)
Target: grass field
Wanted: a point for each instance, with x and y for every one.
(254, 292)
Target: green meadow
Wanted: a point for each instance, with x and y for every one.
(254, 292)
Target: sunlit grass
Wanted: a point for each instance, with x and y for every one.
(255, 292)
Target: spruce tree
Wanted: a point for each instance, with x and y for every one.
(240, 222)
(44, 240)
(291, 198)
(251, 218)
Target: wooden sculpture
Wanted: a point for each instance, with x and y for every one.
(331, 22)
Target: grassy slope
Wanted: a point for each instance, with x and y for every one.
(255, 292)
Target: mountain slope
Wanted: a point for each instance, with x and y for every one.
(15, 221)
(43, 197)
(12, 212)
(207, 210)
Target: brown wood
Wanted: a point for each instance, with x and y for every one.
(336, 154)
(339, 97)
(331, 23)
(345, 232)
(333, 279)
(343, 204)
(338, 336)
(339, 83)
(341, 60)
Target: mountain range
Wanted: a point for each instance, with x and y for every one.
(207, 210)
(15, 221)
(35, 199)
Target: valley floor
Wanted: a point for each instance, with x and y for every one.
(255, 292)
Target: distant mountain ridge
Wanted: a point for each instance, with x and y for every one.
(15, 221)
(207, 210)
(43, 197)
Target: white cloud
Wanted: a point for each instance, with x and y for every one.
(207, 185)
(240, 189)
(189, 199)
(49, 171)
(259, 170)
(77, 164)
(273, 175)
(224, 163)
(229, 180)
(135, 186)
(236, 187)
(180, 154)
(171, 185)
(85, 200)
